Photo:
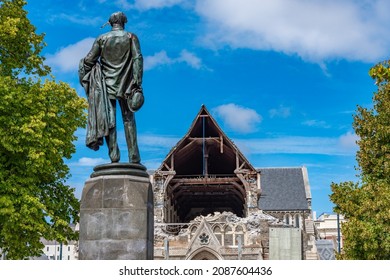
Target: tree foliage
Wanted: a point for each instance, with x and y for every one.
(20, 46)
(366, 204)
(38, 121)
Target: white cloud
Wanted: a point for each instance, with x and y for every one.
(86, 161)
(348, 141)
(124, 4)
(281, 112)
(157, 141)
(238, 118)
(161, 58)
(155, 4)
(67, 59)
(340, 146)
(158, 59)
(316, 123)
(147, 4)
(190, 59)
(82, 20)
(315, 30)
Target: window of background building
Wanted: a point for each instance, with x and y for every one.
(287, 219)
(297, 220)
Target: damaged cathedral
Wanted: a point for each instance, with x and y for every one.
(210, 203)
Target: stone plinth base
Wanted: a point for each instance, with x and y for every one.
(116, 214)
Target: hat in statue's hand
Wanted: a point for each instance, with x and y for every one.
(135, 100)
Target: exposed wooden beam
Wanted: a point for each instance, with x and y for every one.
(200, 139)
(221, 146)
(188, 145)
(201, 192)
(205, 180)
(187, 202)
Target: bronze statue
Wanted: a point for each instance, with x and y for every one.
(112, 70)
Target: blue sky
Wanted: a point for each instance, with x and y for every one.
(281, 77)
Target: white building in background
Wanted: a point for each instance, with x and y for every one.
(327, 228)
(60, 251)
(55, 251)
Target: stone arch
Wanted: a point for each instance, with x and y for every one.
(192, 230)
(204, 253)
(239, 233)
(228, 236)
(297, 221)
(288, 219)
(218, 234)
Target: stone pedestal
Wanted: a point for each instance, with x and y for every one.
(116, 214)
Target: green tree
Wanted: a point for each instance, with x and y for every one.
(38, 120)
(366, 204)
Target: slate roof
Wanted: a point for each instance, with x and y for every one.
(284, 189)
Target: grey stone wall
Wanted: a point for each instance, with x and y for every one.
(285, 244)
(116, 218)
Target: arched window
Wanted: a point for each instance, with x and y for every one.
(193, 230)
(297, 221)
(239, 234)
(218, 234)
(228, 236)
(287, 219)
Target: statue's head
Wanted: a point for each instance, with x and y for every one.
(118, 18)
